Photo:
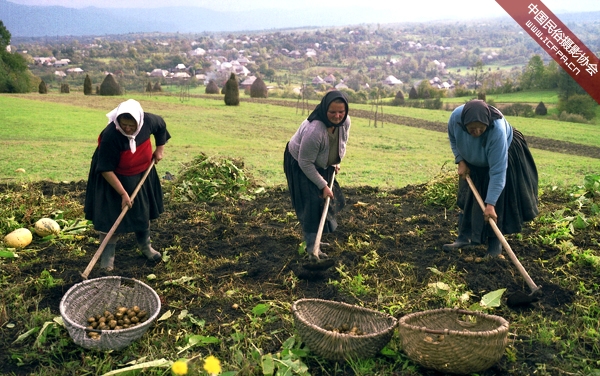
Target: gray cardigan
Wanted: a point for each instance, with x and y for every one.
(310, 147)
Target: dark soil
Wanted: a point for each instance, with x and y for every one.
(265, 245)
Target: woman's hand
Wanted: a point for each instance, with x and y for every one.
(114, 182)
(337, 168)
(126, 201)
(327, 192)
(158, 153)
(490, 213)
(463, 169)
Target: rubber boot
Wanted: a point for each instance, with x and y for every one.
(107, 260)
(461, 241)
(494, 247)
(310, 238)
(143, 240)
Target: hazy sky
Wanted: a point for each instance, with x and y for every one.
(434, 9)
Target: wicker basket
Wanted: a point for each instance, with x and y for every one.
(311, 316)
(94, 296)
(453, 340)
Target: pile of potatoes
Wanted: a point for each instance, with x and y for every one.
(121, 318)
(345, 329)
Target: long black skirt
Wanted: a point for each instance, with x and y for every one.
(103, 203)
(306, 196)
(518, 202)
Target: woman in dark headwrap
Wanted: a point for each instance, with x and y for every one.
(310, 157)
(497, 158)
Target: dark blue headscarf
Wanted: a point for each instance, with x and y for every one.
(478, 110)
(320, 112)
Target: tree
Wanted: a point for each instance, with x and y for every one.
(149, 87)
(533, 75)
(110, 86)
(581, 104)
(232, 91)
(42, 88)
(4, 36)
(157, 87)
(258, 89)
(14, 75)
(87, 85)
(212, 88)
(64, 89)
(478, 74)
(567, 86)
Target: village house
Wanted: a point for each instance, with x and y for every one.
(318, 81)
(391, 81)
(310, 52)
(75, 70)
(247, 83)
(197, 52)
(330, 79)
(158, 73)
(61, 63)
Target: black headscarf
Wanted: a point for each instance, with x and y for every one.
(320, 112)
(478, 110)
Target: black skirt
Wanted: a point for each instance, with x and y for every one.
(306, 196)
(518, 202)
(103, 203)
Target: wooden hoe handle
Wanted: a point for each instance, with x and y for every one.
(532, 286)
(317, 246)
(112, 230)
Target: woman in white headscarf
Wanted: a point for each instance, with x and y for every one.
(123, 155)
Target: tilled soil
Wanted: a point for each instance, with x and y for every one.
(263, 237)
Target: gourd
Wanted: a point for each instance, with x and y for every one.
(20, 238)
(47, 226)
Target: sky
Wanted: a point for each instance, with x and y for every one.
(438, 9)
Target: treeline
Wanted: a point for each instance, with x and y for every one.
(15, 77)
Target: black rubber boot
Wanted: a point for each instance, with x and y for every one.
(107, 260)
(143, 240)
(494, 247)
(461, 241)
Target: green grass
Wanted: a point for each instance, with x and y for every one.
(586, 134)
(53, 137)
(549, 97)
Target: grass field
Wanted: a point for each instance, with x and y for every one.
(52, 137)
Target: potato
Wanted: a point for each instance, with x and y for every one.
(20, 238)
(47, 226)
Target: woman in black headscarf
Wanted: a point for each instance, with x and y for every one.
(497, 158)
(311, 156)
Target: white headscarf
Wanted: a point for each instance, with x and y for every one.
(134, 108)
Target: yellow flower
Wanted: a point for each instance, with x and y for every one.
(212, 365)
(180, 367)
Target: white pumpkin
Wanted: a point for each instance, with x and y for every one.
(47, 226)
(20, 238)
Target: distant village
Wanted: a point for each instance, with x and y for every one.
(347, 59)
